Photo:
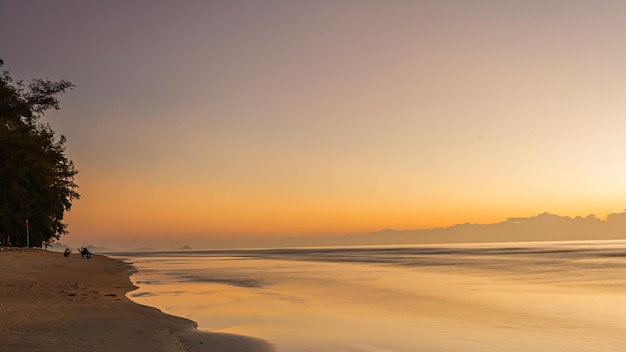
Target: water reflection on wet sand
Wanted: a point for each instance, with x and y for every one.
(514, 297)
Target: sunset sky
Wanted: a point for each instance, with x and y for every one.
(196, 122)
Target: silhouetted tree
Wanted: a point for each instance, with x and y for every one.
(36, 178)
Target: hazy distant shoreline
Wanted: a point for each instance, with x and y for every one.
(542, 227)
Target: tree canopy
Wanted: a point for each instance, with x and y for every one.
(36, 177)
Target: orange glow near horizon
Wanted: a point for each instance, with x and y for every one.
(149, 211)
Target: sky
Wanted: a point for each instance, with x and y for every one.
(200, 122)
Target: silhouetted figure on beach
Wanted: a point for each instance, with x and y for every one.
(84, 252)
(67, 252)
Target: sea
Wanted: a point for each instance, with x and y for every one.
(542, 296)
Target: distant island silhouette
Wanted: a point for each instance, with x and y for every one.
(542, 227)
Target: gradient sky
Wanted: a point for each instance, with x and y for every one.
(195, 122)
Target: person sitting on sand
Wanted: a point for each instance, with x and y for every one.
(84, 252)
(67, 252)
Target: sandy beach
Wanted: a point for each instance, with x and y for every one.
(52, 303)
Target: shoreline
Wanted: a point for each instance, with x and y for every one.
(49, 302)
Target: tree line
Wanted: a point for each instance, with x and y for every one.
(36, 177)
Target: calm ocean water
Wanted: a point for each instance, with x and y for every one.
(560, 296)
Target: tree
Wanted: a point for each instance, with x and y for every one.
(36, 178)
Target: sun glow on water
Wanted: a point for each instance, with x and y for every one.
(516, 297)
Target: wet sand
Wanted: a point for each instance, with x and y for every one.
(557, 297)
(52, 303)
